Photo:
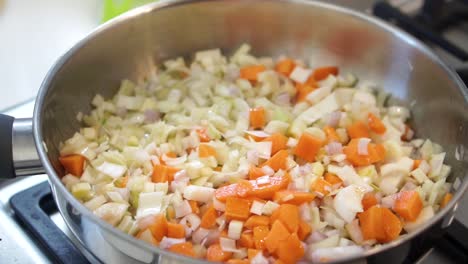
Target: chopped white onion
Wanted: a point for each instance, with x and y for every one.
(257, 133)
(283, 98)
(363, 144)
(227, 244)
(257, 207)
(263, 148)
(334, 148)
(198, 193)
(263, 180)
(235, 229)
(111, 169)
(292, 142)
(146, 221)
(268, 170)
(334, 253)
(220, 206)
(300, 74)
(252, 157)
(183, 209)
(259, 259)
(199, 235)
(354, 231)
(334, 118)
(167, 242)
(191, 221)
(316, 237)
(174, 161)
(347, 202)
(388, 201)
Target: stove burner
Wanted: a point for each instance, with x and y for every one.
(434, 17)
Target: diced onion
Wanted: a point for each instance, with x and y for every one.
(388, 201)
(183, 209)
(167, 242)
(235, 229)
(199, 235)
(263, 180)
(259, 259)
(363, 146)
(257, 207)
(334, 148)
(227, 244)
(199, 193)
(174, 161)
(191, 221)
(257, 133)
(300, 74)
(334, 118)
(268, 170)
(316, 237)
(334, 253)
(252, 157)
(354, 231)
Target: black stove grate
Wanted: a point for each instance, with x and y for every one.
(33, 208)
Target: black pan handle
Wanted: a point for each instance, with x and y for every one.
(7, 168)
(19, 156)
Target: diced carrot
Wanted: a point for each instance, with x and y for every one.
(376, 153)
(216, 253)
(159, 227)
(416, 164)
(267, 191)
(274, 216)
(223, 192)
(185, 248)
(175, 230)
(358, 130)
(251, 253)
(392, 225)
(259, 234)
(323, 72)
(304, 230)
(209, 218)
(246, 240)
(302, 90)
(257, 117)
(251, 72)
(255, 172)
(375, 124)
(237, 208)
(202, 135)
(194, 206)
(278, 141)
(244, 188)
(121, 182)
(279, 161)
(290, 250)
(285, 66)
(293, 197)
(369, 200)
(277, 233)
(279, 261)
(163, 173)
(446, 200)
(289, 216)
(205, 151)
(408, 205)
(331, 134)
(308, 147)
(333, 179)
(169, 154)
(238, 261)
(256, 220)
(321, 186)
(371, 222)
(73, 164)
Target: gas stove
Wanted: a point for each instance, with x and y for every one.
(32, 230)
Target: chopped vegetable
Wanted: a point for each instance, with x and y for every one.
(290, 250)
(376, 153)
(257, 117)
(205, 151)
(408, 205)
(278, 161)
(331, 134)
(277, 234)
(209, 218)
(293, 197)
(376, 125)
(237, 208)
(175, 230)
(308, 147)
(259, 235)
(73, 164)
(285, 66)
(163, 173)
(322, 73)
(216, 253)
(250, 73)
(278, 141)
(369, 200)
(185, 248)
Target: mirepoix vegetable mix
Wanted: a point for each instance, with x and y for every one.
(246, 159)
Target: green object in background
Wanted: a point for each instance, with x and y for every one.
(113, 8)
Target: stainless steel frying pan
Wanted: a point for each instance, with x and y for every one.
(130, 45)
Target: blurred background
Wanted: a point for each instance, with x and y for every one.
(33, 34)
